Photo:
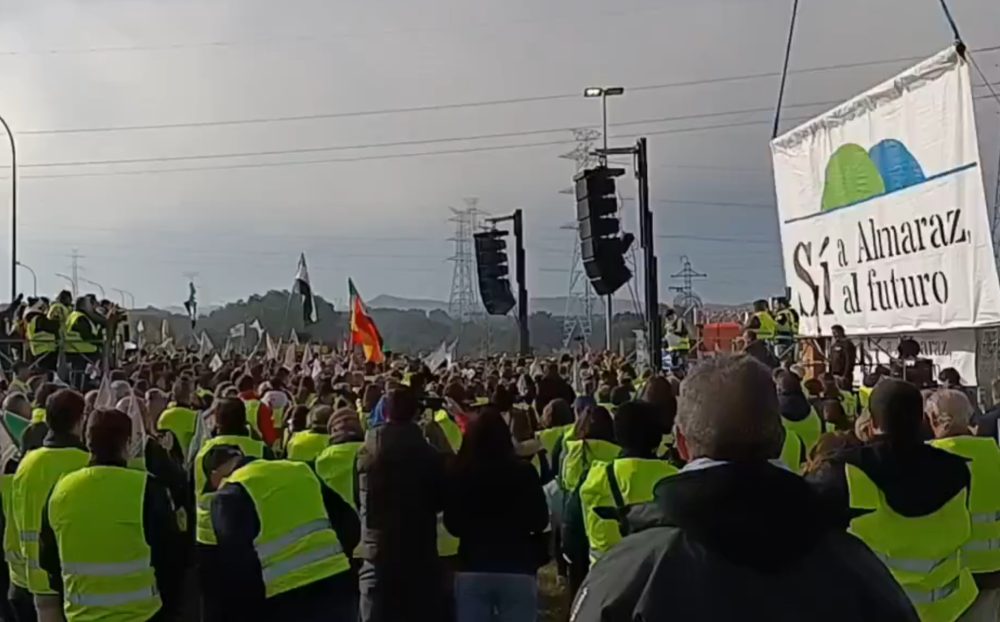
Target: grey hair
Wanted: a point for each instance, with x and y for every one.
(948, 408)
(728, 410)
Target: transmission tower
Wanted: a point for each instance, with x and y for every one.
(686, 301)
(462, 300)
(578, 320)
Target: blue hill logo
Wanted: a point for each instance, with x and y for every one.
(854, 175)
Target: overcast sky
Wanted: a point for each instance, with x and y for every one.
(377, 214)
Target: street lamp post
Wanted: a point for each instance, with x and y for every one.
(13, 209)
(95, 284)
(604, 92)
(34, 277)
(72, 283)
(123, 293)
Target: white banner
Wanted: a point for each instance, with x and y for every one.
(882, 209)
(945, 348)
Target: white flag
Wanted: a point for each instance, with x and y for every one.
(164, 329)
(238, 331)
(290, 358)
(216, 363)
(205, 345)
(272, 348)
(449, 358)
(137, 442)
(317, 369)
(307, 356)
(228, 348)
(140, 328)
(256, 326)
(294, 338)
(435, 359)
(105, 396)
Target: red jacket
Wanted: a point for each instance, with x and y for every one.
(265, 422)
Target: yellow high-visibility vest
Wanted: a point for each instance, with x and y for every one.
(636, 479)
(37, 474)
(296, 545)
(924, 553)
(204, 533)
(982, 552)
(96, 515)
(768, 327)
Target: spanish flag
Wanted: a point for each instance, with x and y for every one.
(364, 333)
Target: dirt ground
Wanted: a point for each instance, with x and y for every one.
(553, 596)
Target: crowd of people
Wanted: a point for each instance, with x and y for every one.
(163, 489)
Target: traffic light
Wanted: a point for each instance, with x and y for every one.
(602, 244)
(491, 265)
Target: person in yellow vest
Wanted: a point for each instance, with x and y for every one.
(336, 465)
(797, 414)
(762, 322)
(677, 338)
(557, 419)
(62, 452)
(43, 336)
(948, 413)
(82, 335)
(59, 310)
(787, 327)
(593, 441)
(284, 537)
(230, 428)
(109, 541)
(909, 502)
(612, 488)
(17, 603)
(177, 424)
(304, 446)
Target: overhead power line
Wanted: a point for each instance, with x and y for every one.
(278, 152)
(459, 105)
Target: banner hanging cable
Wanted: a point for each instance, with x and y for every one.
(784, 68)
(964, 51)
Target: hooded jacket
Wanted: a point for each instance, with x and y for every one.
(738, 541)
(915, 478)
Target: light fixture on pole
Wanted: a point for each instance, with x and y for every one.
(604, 92)
(95, 284)
(72, 283)
(34, 277)
(123, 293)
(13, 209)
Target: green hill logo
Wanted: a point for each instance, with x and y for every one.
(854, 175)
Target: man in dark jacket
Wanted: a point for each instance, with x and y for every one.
(553, 386)
(843, 356)
(237, 523)
(401, 483)
(732, 536)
